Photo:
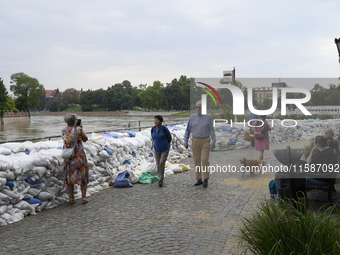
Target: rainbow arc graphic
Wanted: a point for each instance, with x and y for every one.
(209, 93)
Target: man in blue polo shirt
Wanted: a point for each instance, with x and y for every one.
(201, 127)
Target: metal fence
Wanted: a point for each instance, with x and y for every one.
(101, 131)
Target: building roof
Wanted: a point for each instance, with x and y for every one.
(50, 93)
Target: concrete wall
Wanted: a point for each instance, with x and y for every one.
(14, 120)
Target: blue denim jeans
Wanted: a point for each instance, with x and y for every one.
(315, 182)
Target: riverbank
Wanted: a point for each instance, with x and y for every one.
(120, 113)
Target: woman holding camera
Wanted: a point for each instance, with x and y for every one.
(76, 170)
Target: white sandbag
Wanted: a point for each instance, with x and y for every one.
(40, 160)
(56, 181)
(42, 206)
(168, 172)
(6, 163)
(2, 182)
(90, 164)
(3, 222)
(23, 205)
(52, 204)
(104, 155)
(3, 209)
(17, 214)
(26, 162)
(14, 147)
(40, 170)
(13, 194)
(5, 151)
(152, 168)
(34, 192)
(9, 218)
(29, 146)
(4, 197)
(44, 196)
(53, 190)
(101, 140)
(133, 176)
(41, 146)
(175, 168)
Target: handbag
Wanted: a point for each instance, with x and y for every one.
(68, 153)
(248, 136)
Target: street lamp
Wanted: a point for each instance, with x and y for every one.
(337, 42)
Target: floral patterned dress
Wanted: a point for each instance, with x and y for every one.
(76, 170)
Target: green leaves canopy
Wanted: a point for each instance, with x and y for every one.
(28, 90)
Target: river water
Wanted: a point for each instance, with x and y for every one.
(44, 126)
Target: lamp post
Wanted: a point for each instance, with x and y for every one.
(337, 42)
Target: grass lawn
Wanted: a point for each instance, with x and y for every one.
(76, 108)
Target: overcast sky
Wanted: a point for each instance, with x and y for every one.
(95, 44)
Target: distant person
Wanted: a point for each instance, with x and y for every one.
(323, 158)
(253, 117)
(201, 127)
(262, 144)
(162, 138)
(76, 170)
(332, 142)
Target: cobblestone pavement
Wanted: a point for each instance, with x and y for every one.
(178, 218)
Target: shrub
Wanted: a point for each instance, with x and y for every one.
(282, 230)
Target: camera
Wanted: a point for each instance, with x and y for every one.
(78, 123)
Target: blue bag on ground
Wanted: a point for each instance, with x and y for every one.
(30, 181)
(33, 201)
(122, 180)
(272, 187)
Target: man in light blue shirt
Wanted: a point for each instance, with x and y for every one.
(201, 127)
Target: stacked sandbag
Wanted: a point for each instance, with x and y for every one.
(31, 174)
(30, 179)
(231, 137)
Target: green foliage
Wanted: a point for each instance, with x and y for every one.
(10, 105)
(3, 97)
(177, 94)
(92, 99)
(73, 108)
(28, 91)
(53, 106)
(121, 96)
(281, 230)
(70, 96)
(154, 96)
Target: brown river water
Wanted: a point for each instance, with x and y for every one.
(45, 126)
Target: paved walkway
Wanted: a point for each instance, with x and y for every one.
(179, 218)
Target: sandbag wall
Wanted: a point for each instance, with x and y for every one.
(231, 137)
(31, 174)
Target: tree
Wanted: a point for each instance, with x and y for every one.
(27, 90)
(3, 98)
(10, 106)
(70, 96)
(177, 93)
(153, 96)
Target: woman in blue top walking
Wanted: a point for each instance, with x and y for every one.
(161, 137)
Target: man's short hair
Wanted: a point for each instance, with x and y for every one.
(199, 101)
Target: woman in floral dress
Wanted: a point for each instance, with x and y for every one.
(76, 170)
